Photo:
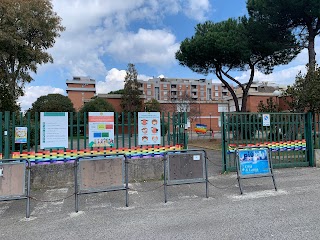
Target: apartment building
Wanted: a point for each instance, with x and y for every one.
(259, 91)
(80, 90)
(170, 89)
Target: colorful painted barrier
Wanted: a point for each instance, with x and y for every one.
(61, 156)
(296, 145)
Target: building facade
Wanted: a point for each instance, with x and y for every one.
(80, 90)
(170, 89)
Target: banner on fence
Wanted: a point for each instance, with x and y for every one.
(20, 134)
(101, 129)
(53, 130)
(149, 128)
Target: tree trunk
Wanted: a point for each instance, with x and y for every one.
(311, 50)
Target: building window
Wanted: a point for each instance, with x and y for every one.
(216, 88)
(157, 95)
(149, 92)
(148, 85)
(216, 94)
(164, 86)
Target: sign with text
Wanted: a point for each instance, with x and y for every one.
(253, 161)
(266, 120)
(101, 129)
(149, 128)
(53, 130)
(20, 134)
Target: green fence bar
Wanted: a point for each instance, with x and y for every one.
(135, 128)
(78, 131)
(29, 131)
(7, 134)
(117, 130)
(71, 130)
(122, 128)
(1, 133)
(129, 128)
(85, 130)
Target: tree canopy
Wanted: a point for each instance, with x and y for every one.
(304, 95)
(302, 17)
(97, 105)
(237, 44)
(130, 100)
(28, 28)
(120, 91)
(152, 106)
(269, 106)
(52, 103)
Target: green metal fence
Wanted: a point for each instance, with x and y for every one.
(125, 131)
(289, 137)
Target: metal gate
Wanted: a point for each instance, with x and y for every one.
(288, 135)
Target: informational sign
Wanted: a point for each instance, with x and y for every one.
(53, 130)
(20, 134)
(149, 128)
(254, 161)
(101, 129)
(266, 120)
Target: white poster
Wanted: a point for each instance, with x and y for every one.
(101, 129)
(149, 128)
(53, 130)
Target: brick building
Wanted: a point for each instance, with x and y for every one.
(202, 99)
(80, 90)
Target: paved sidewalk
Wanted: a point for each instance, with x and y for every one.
(261, 213)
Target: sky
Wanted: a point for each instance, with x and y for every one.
(103, 36)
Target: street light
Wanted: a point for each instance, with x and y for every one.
(277, 94)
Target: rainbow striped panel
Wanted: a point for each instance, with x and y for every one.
(296, 145)
(60, 156)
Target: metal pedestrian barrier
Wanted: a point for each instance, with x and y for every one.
(15, 181)
(100, 173)
(185, 167)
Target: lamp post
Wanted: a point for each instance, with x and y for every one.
(277, 94)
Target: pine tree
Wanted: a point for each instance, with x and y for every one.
(130, 100)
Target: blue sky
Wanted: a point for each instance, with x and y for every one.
(103, 36)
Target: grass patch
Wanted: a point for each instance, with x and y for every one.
(212, 144)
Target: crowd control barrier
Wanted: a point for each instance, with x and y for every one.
(15, 181)
(185, 167)
(100, 173)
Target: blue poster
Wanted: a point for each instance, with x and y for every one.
(253, 161)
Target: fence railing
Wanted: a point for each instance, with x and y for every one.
(287, 134)
(125, 131)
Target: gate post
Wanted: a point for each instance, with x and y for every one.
(6, 134)
(309, 140)
(223, 142)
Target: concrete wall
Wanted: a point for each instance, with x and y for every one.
(60, 175)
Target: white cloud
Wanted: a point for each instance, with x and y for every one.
(197, 9)
(115, 81)
(32, 93)
(98, 29)
(281, 77)
(153, 47)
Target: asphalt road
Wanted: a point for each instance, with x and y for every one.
(261, 213)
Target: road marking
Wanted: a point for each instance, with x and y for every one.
(259, 194)
(49, 207)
